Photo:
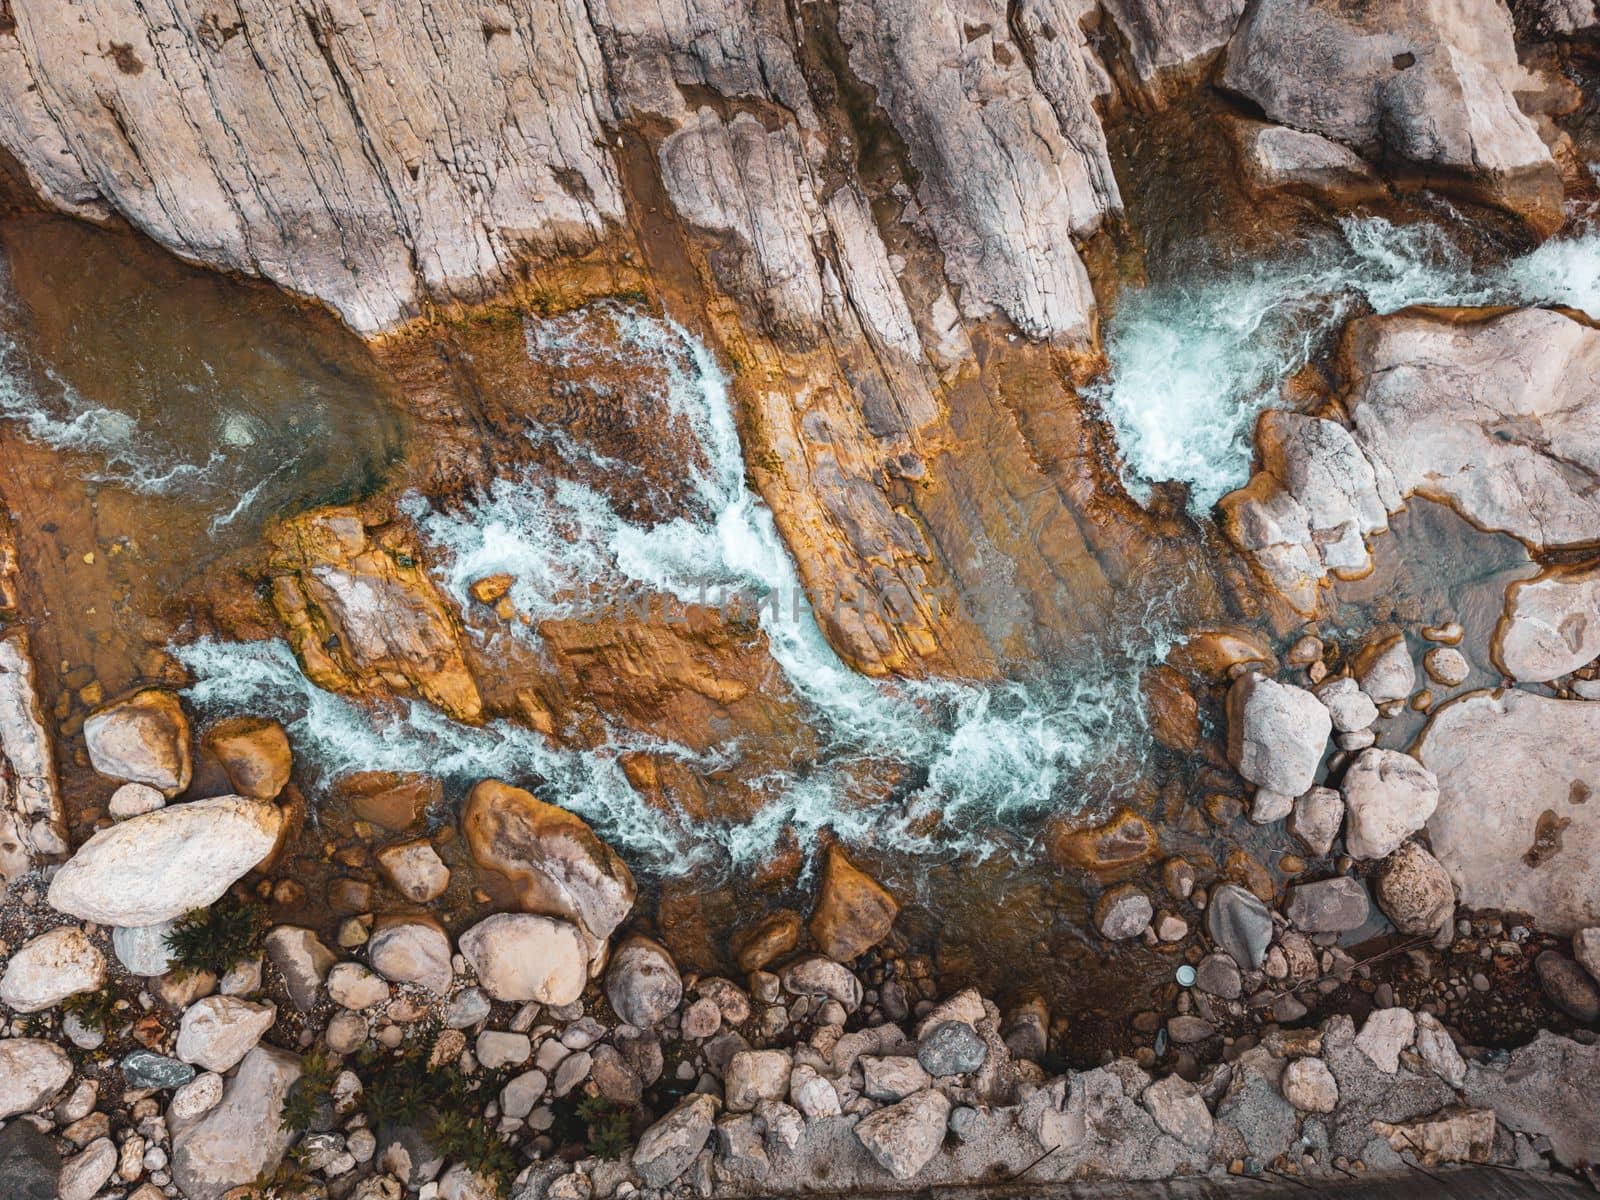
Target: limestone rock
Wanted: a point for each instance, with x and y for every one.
(854, 911)
(302, 960)
(1172, 41)
(1180, 1110)
(1007, 178)
(1453, 1134)
(241, 1138)
(1429, 90)
(1279, 159)
(813, 1095)
(1386, 1032)
(1504, 760)
(254, 751)
(642, 982)
(1388, 796)
(1318, 815)
(1385, 669)
(352, 986)
(1309, 510)
(217, 1032)
(666, 1149)
(411, 950)
(1122, 912)
(134, 799)
(363, 617)
(141, 739)
(1438, 1051)
(1310, 1086)
(1549, 1087)
(376, 204)
(35, 823)
(904, 1137)
(31, 1072)
(1350, 708)
(1551, 625)
(415, 869)
(1498, 418)
(1329, 906)
(818, 976)
(47, 969)
(86, 1172)
(143, 949)
(891, 1078)
(1446, 666)
(1586, 949)
(1276, 733)
(560, 868)
(521, 957)
(755, 1075)
(1413, 890)
(161, 865)
(1239, 924)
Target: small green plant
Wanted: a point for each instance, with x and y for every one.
(610, 1129)
(216, 939)
(94, 1010)
(309, 1093)
(403, 1089)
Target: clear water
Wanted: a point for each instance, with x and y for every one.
(1194, 362)
(982, 758)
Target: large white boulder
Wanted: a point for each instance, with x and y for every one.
(143, 738)
(158, 866)
(1518, 820)
(521, 956)
(31, 1072)
(1551, 624)
(242, 1138)
(217, 1032)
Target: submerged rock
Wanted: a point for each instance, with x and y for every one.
(854, 911)
(1329, 906)
(1515, 826)
(158, 866)
(1278, 159)
(1126, 840)
(1240, 924)
(141, 739)
(1122, 912)
(770, 938)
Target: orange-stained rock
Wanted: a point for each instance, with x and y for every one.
(254, 751)
(491, 588)
(1172, 710)
(1244, 870)
(558, 865)
(1126, 840)
(769, 939)
(854, 911)
(393, 799)
(363, 616)
(1210, 653)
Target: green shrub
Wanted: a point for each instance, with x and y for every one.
(216, 939)
(94, 1010)
(610, 1128)
(306, 1098)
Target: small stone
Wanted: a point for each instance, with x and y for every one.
(952, 1048)
(1122, 912)
(1446, 666)
(412, 950)
(1388, 796)
(1586, 949)
(31, 1072)
(1179, 1110)
(1310, 1086)
(893, 1078)
(147, 1069)
(667, 1148)
(141, 739)
(86, 1173)
(1218, 975)
(756, 1075)
(302, 960)
(254, 751)
(1329, 906)
(217, 1032)
(1386, 1032)
(1316, 820)
(1568, 986)
(1414, 890)
(134, 799)
(47, 969)
(1349, 707)
(1385, 671)
(1186, 1030)
(195, 1098)
(701, 1019)
(1269, 806)
(496, 1049)
(815, 1097)
(415, 870)
(345, 1032)
(352, 986)
(466, 1008)
(642, 983)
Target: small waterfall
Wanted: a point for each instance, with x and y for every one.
(1193, 363)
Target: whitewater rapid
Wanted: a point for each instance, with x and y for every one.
(1195, 362)
(982, 758)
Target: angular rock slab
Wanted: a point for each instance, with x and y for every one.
(158, 866)
(241, 1137)
(1503, 761)
(1276, 733)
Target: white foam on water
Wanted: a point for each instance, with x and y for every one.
(980, 758)
(1194, 363)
